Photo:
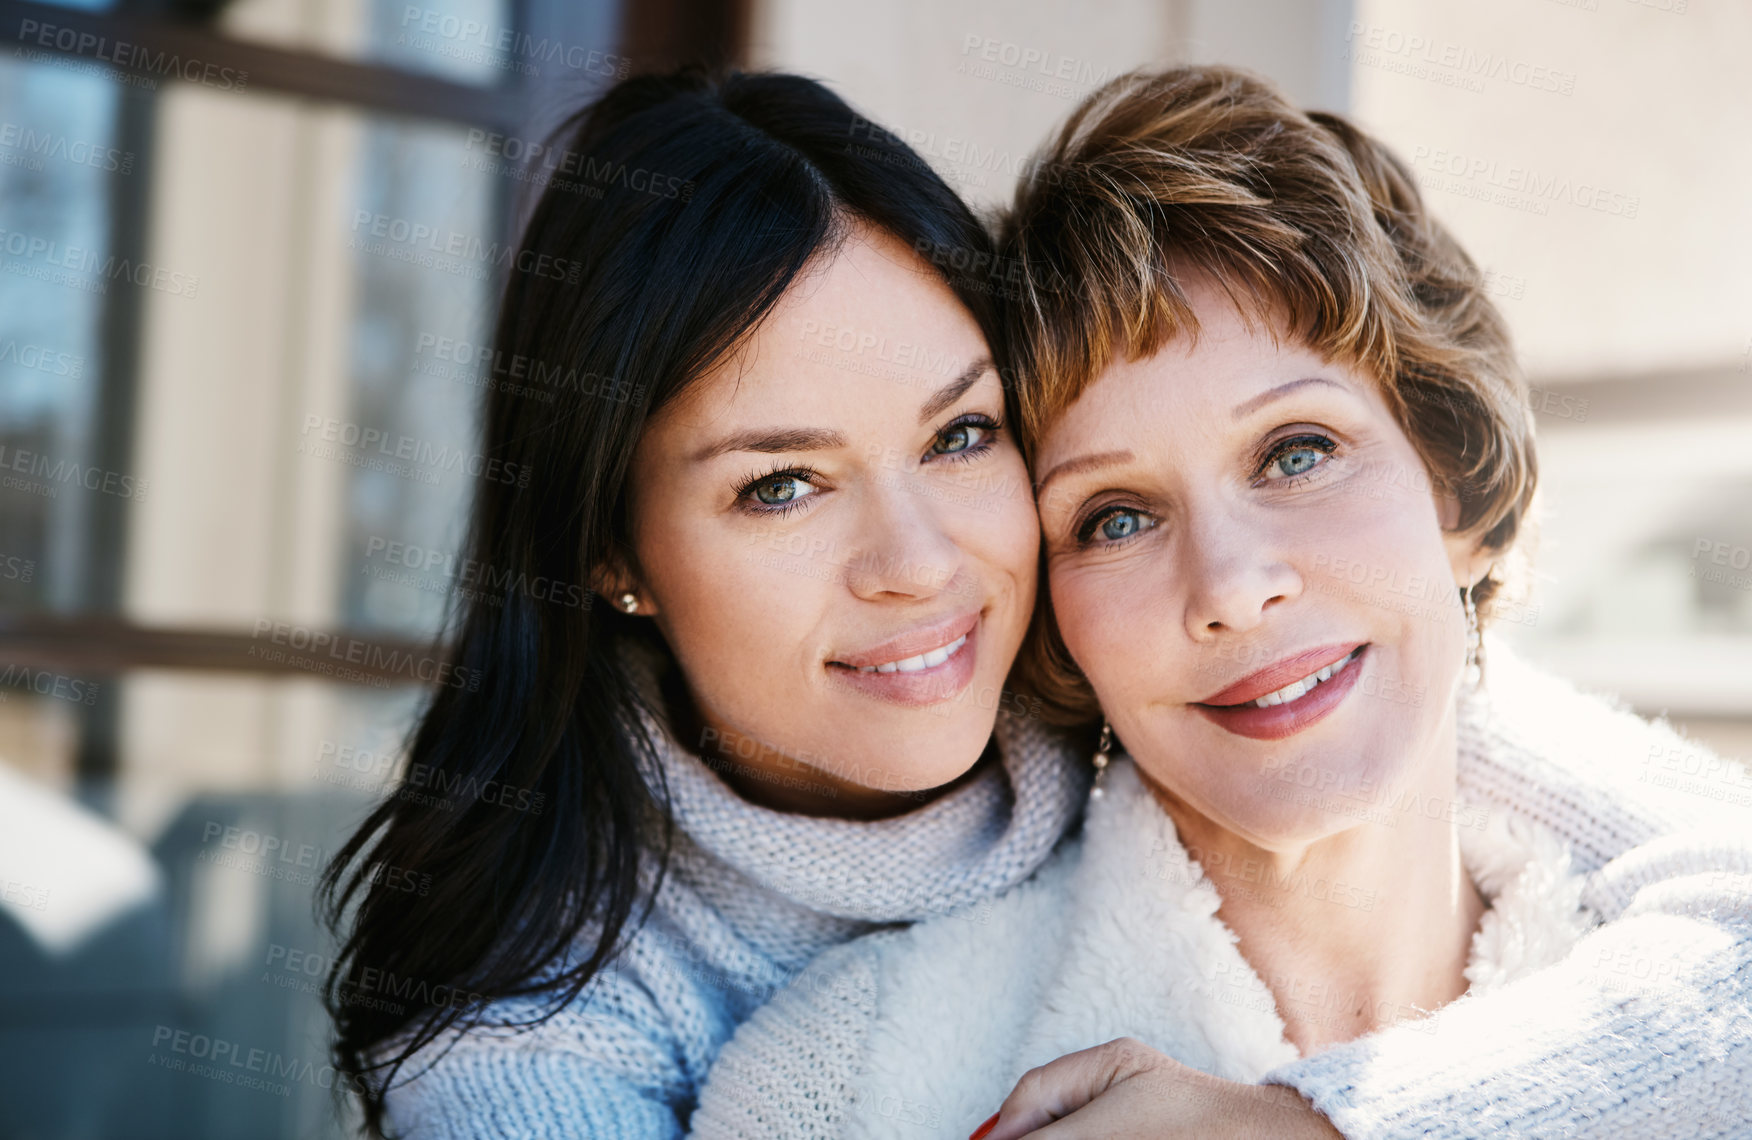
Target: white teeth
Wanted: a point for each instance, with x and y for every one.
(922, 661)
(1300, 688)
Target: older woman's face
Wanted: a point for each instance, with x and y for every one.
(1246, 558)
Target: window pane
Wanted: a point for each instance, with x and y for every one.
(422, 314)
(58, 163)
(469, 41)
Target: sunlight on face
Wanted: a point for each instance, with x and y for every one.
(836, 532)
(1246, 558)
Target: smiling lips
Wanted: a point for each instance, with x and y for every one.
(1283, 699)
(919, 662)
(921, 667)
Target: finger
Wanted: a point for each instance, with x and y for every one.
(1059, 1088)
(1087, 1123)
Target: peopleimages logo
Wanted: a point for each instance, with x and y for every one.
(87, 267)
(39, 145)
(430, 239)
(522, 52)
(341, 651)
(1461, 60)
(411, 450)
(46, 684)
(235, 1063)
(354, 980)
(41, 359)
(1521, 187)
(134, 56)
(570, 169)
(36, 465)
(471, 576)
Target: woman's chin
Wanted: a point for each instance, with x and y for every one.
(918, 761)
(939, 767)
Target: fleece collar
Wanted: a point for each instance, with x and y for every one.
(1118, 936)
(1146, 955)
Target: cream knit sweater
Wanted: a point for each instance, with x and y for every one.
(753, 896)
(924, 1031)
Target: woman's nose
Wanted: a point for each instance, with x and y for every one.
(1234, 574)
(903, 547)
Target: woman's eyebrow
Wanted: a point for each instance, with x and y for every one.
(1081, 464)
(951, 392)
(772, 441)
(1247, 407)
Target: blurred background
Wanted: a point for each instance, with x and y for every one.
(248, 259)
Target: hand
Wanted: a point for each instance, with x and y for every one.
(1127, 1089)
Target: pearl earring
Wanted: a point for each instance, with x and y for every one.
(1474, 639)
(629, 602)
(1103, 753)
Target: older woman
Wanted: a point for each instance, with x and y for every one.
(1283, 457)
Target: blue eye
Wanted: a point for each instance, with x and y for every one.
(1297, 460)
(1295, 456)
(785, 487)
(1123, 524)
(1116, 525)
(777, 492)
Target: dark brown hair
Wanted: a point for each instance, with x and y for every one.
(718, 191)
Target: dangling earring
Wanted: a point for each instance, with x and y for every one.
(1474, 639)
(629, 602)
(1103, 753)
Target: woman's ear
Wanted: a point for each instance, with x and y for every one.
(615, 579)
(1467, 557)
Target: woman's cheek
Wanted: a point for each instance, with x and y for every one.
(1420, 599)
(1097, 625)
(737, 596)
(1014, 531)
(1002, 537)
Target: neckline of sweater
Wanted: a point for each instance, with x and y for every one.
(972, 842)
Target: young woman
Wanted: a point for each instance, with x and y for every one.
(811, 582)
(1253, 365)
(789, 481)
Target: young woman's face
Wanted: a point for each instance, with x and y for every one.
(835, 533)
(1230, 521)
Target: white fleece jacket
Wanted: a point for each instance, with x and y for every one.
(923, 1032)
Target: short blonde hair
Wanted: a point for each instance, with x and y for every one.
(1296, 215)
